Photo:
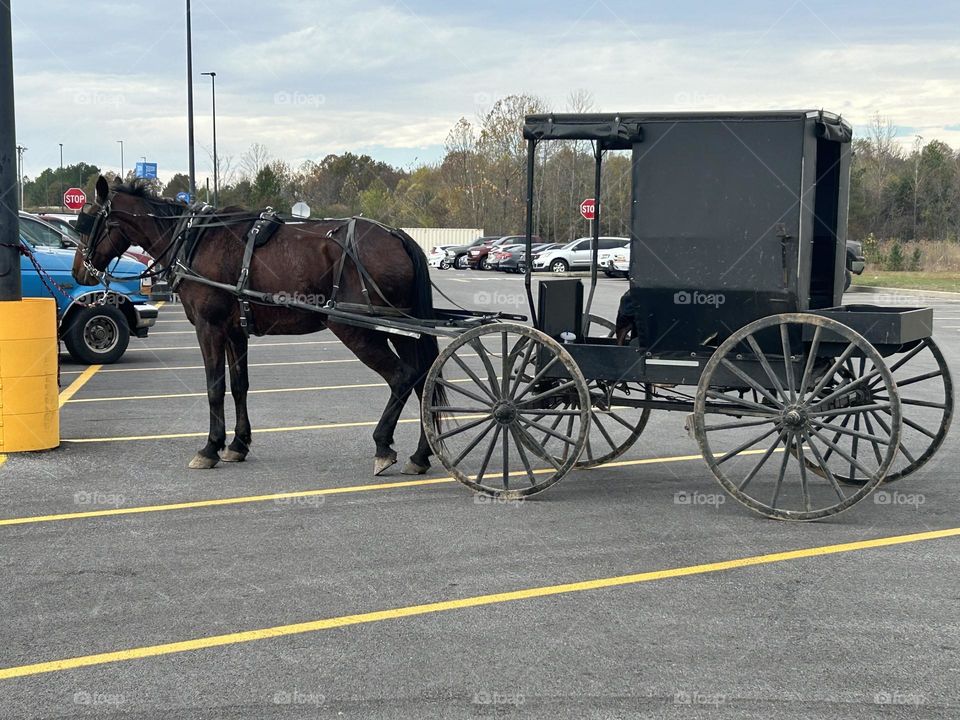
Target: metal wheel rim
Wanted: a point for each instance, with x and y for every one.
(537, 480)
(101, 334)
(914, 461)
(558, 266)
(853, 340)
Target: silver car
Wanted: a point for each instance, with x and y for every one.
(576, 254)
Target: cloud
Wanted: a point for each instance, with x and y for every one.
(306, 79)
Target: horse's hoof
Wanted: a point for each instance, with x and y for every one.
(411, 468)
(201, 462)
(233, 456)
(382, 463)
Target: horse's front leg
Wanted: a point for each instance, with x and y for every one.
(239, 385)
(212, 344)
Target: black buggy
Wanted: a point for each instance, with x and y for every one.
(800, 405)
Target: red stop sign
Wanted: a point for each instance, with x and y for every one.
(75, 198)
(588, 208)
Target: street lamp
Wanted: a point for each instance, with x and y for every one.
(193, 174)
(61, 177)
(121, 159)
(216, 168)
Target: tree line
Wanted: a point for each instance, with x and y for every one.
(897, 195)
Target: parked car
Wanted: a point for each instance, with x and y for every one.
(438, 257)
(511, 258)
(856, 263)
(95, 322)
(615, 262)
(457, 255)
(576, 254)
(478, 258)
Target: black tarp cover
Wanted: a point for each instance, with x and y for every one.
(614, 134)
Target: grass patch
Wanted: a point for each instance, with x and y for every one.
(948, 281)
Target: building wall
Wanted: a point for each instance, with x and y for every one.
(428, 238)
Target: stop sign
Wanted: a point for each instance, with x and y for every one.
(588, 209)
(75, 198)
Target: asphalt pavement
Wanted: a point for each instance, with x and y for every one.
(298, 585)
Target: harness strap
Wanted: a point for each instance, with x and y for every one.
(263, 226)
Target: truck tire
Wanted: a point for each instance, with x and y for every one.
(97, 335)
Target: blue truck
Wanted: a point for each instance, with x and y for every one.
(96, 322)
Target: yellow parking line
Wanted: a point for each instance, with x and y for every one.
(463, 603)
(72, 389)
(162, 368)
(306, 493)
(252, 345)
(251, 392)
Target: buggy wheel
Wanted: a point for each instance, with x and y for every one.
(486, 419)
(772, 380)
(926, 408)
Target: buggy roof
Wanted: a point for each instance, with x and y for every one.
(620, 131)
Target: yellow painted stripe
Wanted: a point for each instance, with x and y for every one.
(3, 459)
(167, 368)
(252, 345)
(463, 603)
(72, 389)
(193, 504)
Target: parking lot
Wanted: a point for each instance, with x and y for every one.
(296, 584)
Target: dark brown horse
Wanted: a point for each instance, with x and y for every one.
(300, 260)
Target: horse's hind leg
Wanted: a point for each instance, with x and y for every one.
(373, 351)
(419, 462)
(212, 339)
(239, 385)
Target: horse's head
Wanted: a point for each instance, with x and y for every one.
(107, 227)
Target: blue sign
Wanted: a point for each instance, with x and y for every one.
(183, 197)
(146, 170)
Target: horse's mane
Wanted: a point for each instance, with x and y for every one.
(142, 189)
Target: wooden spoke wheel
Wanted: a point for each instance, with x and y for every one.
(926, 409)
(806, 413)
(491, 410)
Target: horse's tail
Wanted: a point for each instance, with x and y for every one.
(427, 348)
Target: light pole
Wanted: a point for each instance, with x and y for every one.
(193, 164)
(121, 159)
(61, 177)
(216, 168)
(20, 151)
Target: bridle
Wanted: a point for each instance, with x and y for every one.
(94, 226)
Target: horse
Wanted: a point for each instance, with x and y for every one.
(302, 260)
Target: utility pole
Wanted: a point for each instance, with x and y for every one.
(9, 219)
(61, 177)
(20, 151)
(216, 164)
(121, 160)
(193, 164)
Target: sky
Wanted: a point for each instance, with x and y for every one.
(307, 78)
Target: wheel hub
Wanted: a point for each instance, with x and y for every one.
(505, 412)
(794, 417)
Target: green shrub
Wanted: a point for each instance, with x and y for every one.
(895, 259)
(916, 259)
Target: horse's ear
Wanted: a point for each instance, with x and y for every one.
(103, 190)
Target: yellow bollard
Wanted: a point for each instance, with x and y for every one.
(29, 411)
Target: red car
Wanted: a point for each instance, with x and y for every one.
(478, 256)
